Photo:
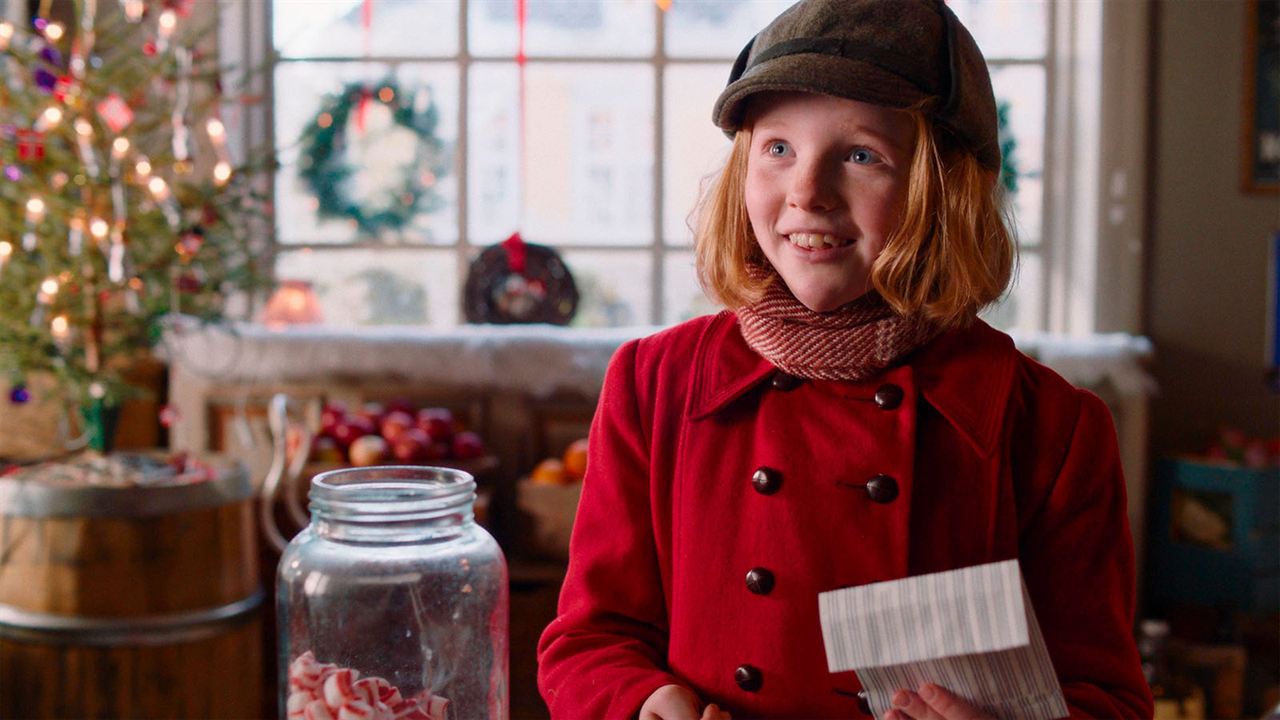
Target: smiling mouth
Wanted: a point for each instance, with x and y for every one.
(817, 241)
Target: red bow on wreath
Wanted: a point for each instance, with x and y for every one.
(516, 253)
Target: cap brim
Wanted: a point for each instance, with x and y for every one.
(814, 73)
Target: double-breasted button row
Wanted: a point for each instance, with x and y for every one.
(880, 488)
(748, 677)
(784, 381)
(888, 396)
(760, 580)
(766, 480)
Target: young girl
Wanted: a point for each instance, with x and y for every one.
(848, 420)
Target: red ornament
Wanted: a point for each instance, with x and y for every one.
(149, 49)
(115, 112)
(190, 243)
(169, 415)
(63, 87)
(182, 7)
(188, 283)
(30, 144)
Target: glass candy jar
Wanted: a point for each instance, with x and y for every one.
(392, 603)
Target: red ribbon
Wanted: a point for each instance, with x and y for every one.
(521, 21)
(361, 107)
(517, 253)
(366, 22)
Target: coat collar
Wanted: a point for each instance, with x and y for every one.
(966, 374)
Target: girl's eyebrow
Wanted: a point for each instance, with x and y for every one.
(882, 137)
(782, 127)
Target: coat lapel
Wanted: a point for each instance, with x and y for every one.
(967, 374)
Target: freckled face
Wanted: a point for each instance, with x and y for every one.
(826, 181)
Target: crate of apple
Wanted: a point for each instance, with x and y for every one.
(398, 434)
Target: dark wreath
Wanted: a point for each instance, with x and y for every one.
(542, 291)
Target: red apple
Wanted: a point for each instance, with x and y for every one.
(362, 423)
(411, 446)
(437, 422)
(373, 412)
(396, 422)
(367, 450)
(467, 445)
(350, 428)
(331, 415)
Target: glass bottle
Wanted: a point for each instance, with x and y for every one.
(393, 602)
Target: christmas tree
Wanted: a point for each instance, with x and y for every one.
(119, 204)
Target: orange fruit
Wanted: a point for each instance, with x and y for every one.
(575, 459)
(549, 471)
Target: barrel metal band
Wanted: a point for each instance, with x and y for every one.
(163, 629)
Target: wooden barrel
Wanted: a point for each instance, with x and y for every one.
(124, 602)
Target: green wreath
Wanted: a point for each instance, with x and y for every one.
(324, 167)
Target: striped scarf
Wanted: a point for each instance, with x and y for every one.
(853, 342)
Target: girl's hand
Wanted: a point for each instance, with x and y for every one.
(676, 702)
(932, 703)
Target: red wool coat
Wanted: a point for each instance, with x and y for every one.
(706, 464)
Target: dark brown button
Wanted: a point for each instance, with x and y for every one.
(748, 678)
(766, 480)
(888, 396)
(783, 381)
(760, 581)
(864, 703)
(882, 489)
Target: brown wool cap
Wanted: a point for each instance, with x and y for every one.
(887, 52)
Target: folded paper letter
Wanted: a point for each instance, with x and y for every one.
(972, 631)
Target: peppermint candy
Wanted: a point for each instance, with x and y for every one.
(325, 691)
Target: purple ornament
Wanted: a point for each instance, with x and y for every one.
(19, 395)
(12, 172)
(46, 80)
(50, 54)
(40, 23)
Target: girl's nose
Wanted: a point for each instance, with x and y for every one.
(812, 187)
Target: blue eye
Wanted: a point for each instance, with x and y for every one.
(778, 149)
(863, 156)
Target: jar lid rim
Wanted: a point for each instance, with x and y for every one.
(389, 482)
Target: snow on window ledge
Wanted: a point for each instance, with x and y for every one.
(535, 359)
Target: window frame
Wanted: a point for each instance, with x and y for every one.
(1093, 235)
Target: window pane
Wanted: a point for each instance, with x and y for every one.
(1022, 89)
(1020, 309)
(334, 28)
(588, 172)
(577, 28)
(1006, 28)
(614, 288)
(683, 297)
(382, 156)
(379, 287)
(695, 147)
(717, 28)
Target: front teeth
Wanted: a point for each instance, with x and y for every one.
(815, 241)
